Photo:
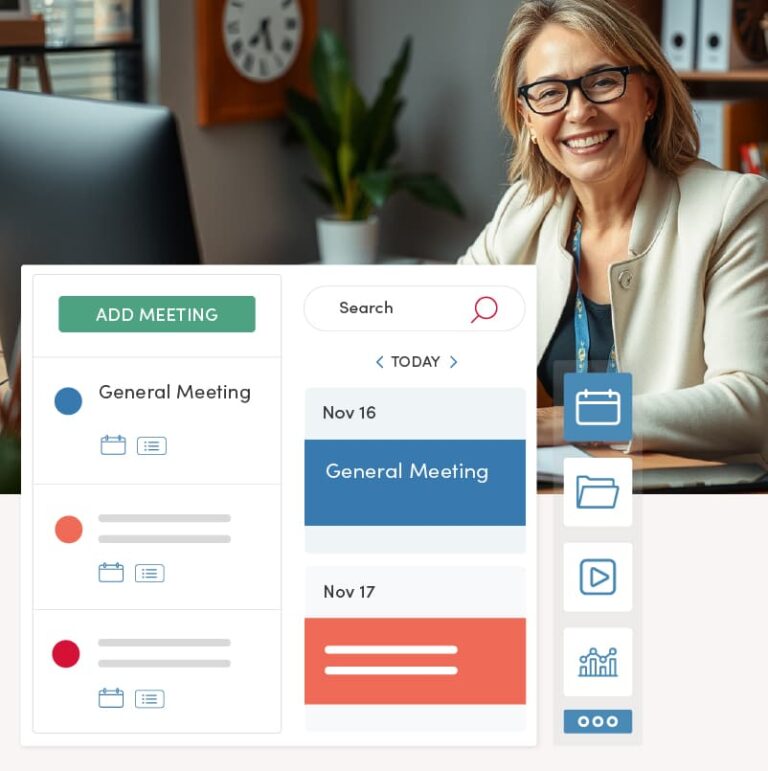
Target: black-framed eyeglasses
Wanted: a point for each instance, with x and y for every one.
(547, 96)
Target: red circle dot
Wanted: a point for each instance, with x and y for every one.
(65, 653)
(69, 529)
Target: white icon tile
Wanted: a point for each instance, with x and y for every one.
(597, 492)
(597, 661)
(597, 577)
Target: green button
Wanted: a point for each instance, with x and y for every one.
(157, 314)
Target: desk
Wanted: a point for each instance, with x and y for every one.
(644, 461)
(655, 461)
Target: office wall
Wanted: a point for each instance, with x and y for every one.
(246, 186)
(450, 123)
(250, 203)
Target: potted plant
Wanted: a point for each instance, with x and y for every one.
(353, 145)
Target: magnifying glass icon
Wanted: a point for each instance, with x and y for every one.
(485, 308)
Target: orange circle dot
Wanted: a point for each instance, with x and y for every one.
(69, 529)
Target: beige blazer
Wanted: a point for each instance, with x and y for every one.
(689, 304)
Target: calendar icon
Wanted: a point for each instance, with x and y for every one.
(111, 698)
(111, 573)
(113, 445)
(597, 407)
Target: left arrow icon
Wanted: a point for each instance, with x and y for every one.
(379, 360)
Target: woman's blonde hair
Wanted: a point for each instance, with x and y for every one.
(671, 138)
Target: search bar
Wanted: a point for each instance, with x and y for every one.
(414, 308)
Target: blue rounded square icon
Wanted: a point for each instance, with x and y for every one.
(597, 407)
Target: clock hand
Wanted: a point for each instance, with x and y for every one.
(263, 30)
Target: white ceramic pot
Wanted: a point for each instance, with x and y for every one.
(344, 242)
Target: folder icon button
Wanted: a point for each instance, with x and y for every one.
(596, 492)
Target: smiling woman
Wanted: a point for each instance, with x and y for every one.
(650, 261)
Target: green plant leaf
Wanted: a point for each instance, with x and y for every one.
(290, 135)
(345, 158)
(390, 144)
(330, 75)
(430, 189)
(384, 111)
(363, 208)
(352, 120)
(377, 185)
(353, 114)
(308, 120)
(309, 110)
(352, 145)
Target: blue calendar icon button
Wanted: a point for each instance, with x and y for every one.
(597, 407)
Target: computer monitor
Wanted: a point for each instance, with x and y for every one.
(86, 182)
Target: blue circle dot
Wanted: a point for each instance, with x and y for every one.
(68, 401)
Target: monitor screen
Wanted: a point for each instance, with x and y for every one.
(86, 182)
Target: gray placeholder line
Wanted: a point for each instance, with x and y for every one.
(165, 539)
(165, 518)
(139, 642)
(163, 663)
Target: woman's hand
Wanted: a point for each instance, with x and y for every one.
(549, 424)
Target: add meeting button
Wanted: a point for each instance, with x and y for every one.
(157, 314)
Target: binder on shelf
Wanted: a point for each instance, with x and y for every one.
(718, 47)
(726, 124)
(679, 33)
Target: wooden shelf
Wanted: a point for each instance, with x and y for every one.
(733, 76)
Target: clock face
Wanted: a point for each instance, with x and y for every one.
(262, 37)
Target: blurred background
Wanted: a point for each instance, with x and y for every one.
(246, 182)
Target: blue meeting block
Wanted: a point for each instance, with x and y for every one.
(414, 482)
(597, 721)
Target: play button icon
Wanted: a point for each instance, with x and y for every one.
(598, 576)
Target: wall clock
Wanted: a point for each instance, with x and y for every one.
(248, 53)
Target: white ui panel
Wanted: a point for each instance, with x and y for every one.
(278, 506)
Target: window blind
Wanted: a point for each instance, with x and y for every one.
(92, 74)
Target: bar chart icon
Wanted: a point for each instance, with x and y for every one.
(597, 661)
(595, 664)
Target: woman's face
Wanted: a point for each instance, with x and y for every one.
(588, 143)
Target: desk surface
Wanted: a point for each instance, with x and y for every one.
(645, 461)
(655, 461)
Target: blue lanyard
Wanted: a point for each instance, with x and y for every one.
(580, 322)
